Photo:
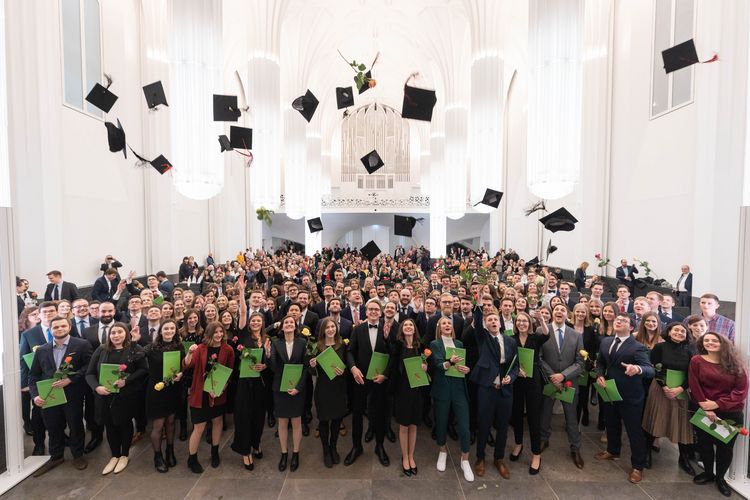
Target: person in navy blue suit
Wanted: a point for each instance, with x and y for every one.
(494, 373)
(626, 361)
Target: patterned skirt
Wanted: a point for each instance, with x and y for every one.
(669, 418)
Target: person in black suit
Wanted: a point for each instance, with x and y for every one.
(257, 305)
(307, 317)
(625, 360)
(666, 313)
(355, 311)
(403, 309)
(334, 311)
(494, 373)
(565, 295)
(321, 308)
(625, 274)
(579, 278)
(446, 309)
(110, 263)
(105, 287)
(59, 289)
(367, 338)
(76, 353)
(81, 318)
(684, 287)
(423, 317)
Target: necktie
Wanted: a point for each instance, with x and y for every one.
(615, 345)
(386, 329)
(56, 293)
(500, 346)
(104, 334)
(109, 286)
(49, 334)
(81, 327)
(151, 332)
(560, 338)
(622, 309)
(355, 314)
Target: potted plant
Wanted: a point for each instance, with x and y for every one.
(264, 215)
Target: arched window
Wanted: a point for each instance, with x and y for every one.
(82, 54)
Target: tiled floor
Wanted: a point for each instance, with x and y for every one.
(367, 479)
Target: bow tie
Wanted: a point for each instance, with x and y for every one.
(372, 326)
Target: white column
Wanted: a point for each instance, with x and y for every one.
(313, 241)
(456, 124)
(438, 236)
(295, 159)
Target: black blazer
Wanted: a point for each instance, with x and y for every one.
(29, 339)
(101, 290)
(20, 305)
(631, 352)
(629, 272)
(74, 326)
(346, 312)
(360, 350)
(320, 309)
(279, 358)
(345, 327)
(665, 320)
(410, 313)
(458, 327)
(311, 320)
(488, 366)
(579, 279)
(68, 291)
(44, 367)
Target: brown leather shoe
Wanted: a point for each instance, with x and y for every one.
(577, 458)
(53, 462)
(80, 463)
(479, 467)
(502, 468)
(635, 476)
(545, 445)
(605, 455)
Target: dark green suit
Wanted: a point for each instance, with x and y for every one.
(448, 392)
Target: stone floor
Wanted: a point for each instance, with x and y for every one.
(367, 479)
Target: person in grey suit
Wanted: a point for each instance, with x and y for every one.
(561, 361)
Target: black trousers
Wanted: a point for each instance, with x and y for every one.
(714, 451)
(307, 416)
(376, 395)
(584, 392)
(119, 436)
(329, 432)
(472, 391)
(57, 418)
(140, 411)
(683, 299)
(26, 407)
(495, 409)
(527, 394)
(89, 414)
(628, 414)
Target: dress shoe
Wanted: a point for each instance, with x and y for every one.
(723, 487)
(390, 435)
(305, 429)
(335, 458)
(545, 445)
(502, 469)
(249, 466)
(442, 459)
(38, 451)
(159, 463)
(122, 463)
(111, 466)
(327, 459)
(271, 421)
(215, 458)
(577, 458)
(352, 456)
(414, 470)
(655, 448)
(136, 437)
(382, 455)
(635, 476)
(369, 434)
(427, 421)
(283, 462)
(479, 467)
(169, 457)
(80, 463)
(468, 473)
(194, 465)
(490, 439)
(183, 430)
(704, 478)
(647, 460)
(93, 444)
(514, 458)
(294, 463)
(407, 472)
(258, 454)
(605, 455)
(533, 471)
(53, 462)
(684, 463)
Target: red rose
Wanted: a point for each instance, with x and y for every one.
(123, 367)
(214, 356)
(598, 255)
(240, 347)
(568, 384)
(234, 339)
(68, 359)
(743, 431)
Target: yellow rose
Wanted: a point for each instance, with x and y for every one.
(346, 341)
(306, 332)
(597, 321)
(33, 349)
(584, 354)
(159, 386)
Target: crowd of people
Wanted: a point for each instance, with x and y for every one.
(465, 346)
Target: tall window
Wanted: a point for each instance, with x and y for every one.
(82, 54)
(674, 22)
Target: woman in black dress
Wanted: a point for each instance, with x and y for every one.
(191, 331)
(527, 390)
(407, 402)
(116, 410)
(290, 404)
(163, 399)
(330, 395)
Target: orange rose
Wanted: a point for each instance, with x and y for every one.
(427, 353)
(68, 359)
(372, 82)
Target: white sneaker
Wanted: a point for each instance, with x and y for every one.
(468, 472)
(442, 457)
(110, 466)
(121, 464)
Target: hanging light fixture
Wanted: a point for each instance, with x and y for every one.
(555, 87)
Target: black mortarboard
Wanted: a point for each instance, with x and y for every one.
(372, 161)
(550, 249)
(491, 198)
(306, 105)
(116, 137)
(366, 85)
(559, 220)
(532, 262)
(680, 56)
(154, 93)
(402, 225)
(344, 97)
(101, 97)
(226, 145)
(225, 108)
(370, 251)
(418, 103)
(315, 225)
(161, 164)
(241, 137)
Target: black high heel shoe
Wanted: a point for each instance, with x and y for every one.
(533, 471)
(283, 461)
(249, 466)
(514, 458)
(258, 454)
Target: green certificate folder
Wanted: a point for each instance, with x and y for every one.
(526, 360)
(675, 378)
(610, 394)
(583, 379)
(290, 377)
(171, 363)
(52, 397)
(187, 344)
(256, 356)
(508, 332)
(108, 375)
(417, 376)
(701, 421)
(216, 380)
(461, 353)
(328, 360)
(378, 362)
(28, 358)
(566, 395)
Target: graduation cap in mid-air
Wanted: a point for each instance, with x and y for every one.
(101, 97)
(225, 144)
(559, 220)
(372, 161)
(154, 93)
(116, 137)
(370, 251)
(344, 97)
(550, 249)
(306, 105)
(315, 225)
(403, 225)
(491, 198)
(682, 55)
(418, 103)
(225, 108)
